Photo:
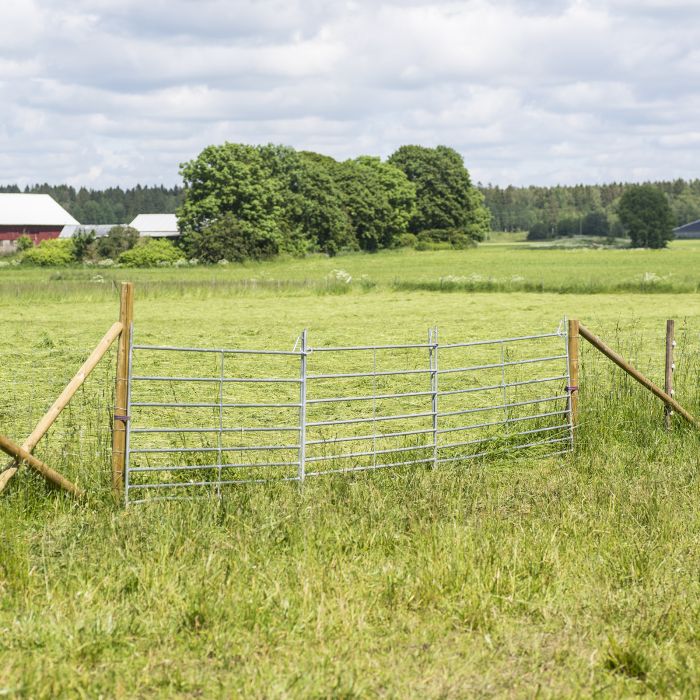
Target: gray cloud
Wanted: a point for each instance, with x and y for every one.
(101, 92)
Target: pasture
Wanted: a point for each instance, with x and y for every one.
(558, 577)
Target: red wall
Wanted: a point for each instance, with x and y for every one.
(36, 233)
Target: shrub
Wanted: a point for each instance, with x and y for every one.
(406, 240)
(444, 239)
(117, 241)
(229, 238)
(24, 243)
(83, 244)
(539, 232)
(154, 252)
(52, 253)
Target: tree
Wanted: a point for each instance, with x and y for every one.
(118, 240)
(646, 216)
(234, 179)
(539, 232)
(596, 224)
(445, 197)
(378, 198)
(316, 205)
(568, 227)
(229, 238)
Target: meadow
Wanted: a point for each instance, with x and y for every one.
(562, 577)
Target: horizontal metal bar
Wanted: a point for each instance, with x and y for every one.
(339, 399)
(218, 380)
(370, 374)
(370, 453)
(487, 453)
(542, 442)
(157, 450)
(196, 467)
(504, 422)
(224, 351)
(367, 420)
(491, 438)
(371, 467)
(214, 405)
(501, 406)
(502, 364)
(189, 484)
(501, 386)
(372, 347)
(377, 436)
(215, 430)
(499, 341)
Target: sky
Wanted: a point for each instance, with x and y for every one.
(98, 93)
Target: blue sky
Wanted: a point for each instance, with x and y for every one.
(115, 92)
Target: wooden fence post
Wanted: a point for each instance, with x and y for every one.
(573, 353)
(620, 361)
(126, 316)
(668, 384)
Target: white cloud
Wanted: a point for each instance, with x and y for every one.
(542, 91)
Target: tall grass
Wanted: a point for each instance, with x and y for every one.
(561, 577)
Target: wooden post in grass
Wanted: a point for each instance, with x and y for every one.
(62, 401)
(573, 351)
(670, 366)
(636, 374)
(22, 455)
(121, 390)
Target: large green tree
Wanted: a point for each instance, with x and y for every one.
(445, 196)
(234, 179)
(378, 199)
(315, 205)
(646, 216)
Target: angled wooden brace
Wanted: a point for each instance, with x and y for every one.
(61, 402)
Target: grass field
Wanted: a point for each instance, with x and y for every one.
(565, 577)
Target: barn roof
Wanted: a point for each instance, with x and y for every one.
(156, 225)
(32, 210)
(692, 228)
(100, 230)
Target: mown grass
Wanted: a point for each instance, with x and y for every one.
(558, 577)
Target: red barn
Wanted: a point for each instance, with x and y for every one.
(35, 215)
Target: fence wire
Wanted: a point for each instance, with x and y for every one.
(79, 442)
(203, 419)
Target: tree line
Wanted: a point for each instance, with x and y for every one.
(565, 210)
(257, 201)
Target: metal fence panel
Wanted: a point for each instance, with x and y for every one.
(201, 418)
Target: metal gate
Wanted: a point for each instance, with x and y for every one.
(202, 419)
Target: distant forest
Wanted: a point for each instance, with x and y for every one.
(512, 208)
(522, 208)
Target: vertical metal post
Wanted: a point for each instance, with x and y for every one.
(572, 351)
(220, 436)
(670, 367)
(302, 411)
(121, 389)
(433, 356)
(504, 391)
(127, 441)
(565, 335)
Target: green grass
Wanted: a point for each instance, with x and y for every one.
(506, 267)
(554, 578)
